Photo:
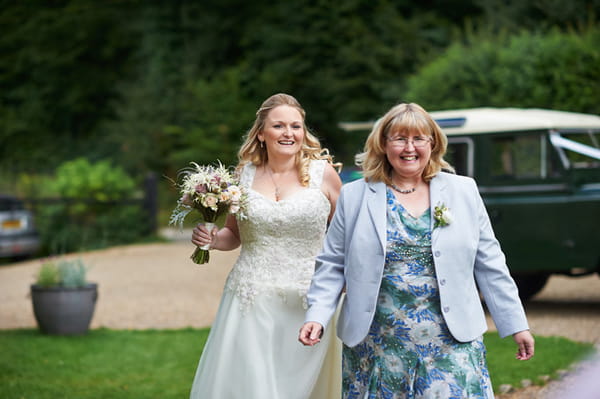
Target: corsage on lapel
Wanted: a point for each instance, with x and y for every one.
(442, 216)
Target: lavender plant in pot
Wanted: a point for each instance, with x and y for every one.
(63, 300)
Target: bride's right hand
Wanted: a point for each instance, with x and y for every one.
(201, 236)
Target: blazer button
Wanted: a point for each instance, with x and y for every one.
(437, 254)
(446, 309)
(443, 282)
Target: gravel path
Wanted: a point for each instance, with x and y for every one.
(157, 286)
(139, 287)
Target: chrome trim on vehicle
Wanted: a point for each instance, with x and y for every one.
(590, 187)
(524, 188)
(470, 152)
(555, 199)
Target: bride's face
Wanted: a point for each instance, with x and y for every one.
(283, 132)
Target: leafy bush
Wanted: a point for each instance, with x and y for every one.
(100, 181)
(98, 208)
(555, 70)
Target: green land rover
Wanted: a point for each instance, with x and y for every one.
(538, 172)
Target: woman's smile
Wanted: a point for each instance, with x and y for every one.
(409, 157)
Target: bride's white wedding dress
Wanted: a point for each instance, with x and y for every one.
(253, 351)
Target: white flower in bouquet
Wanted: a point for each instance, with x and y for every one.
(210, 200)
(211, 190)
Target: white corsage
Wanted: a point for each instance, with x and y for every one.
(442, 216)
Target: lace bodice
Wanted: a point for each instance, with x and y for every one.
(279, 239)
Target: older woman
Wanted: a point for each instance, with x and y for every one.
(411, 244)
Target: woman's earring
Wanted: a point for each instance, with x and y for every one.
(261, 143)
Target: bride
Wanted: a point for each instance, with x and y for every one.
(252, 351)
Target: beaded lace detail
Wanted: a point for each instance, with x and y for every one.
(279, 240)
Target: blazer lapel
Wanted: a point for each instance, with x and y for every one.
(437, 196)
(376, 203)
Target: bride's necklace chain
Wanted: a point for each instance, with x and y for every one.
(401, 191)
(277, 190)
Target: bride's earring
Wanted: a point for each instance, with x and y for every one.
(261, 143)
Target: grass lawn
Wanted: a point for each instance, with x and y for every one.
(146, 364)
(104, 364)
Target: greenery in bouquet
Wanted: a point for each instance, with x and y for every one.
(213, 191)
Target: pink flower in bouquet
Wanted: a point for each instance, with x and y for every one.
(200, 189)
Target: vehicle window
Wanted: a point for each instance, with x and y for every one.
(578, 160)
(10, 204)
(457, 155)
(518, 157)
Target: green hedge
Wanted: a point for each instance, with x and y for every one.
(96, 209)
(556, 70)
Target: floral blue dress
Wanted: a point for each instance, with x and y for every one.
(409, 351)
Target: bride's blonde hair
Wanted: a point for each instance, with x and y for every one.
(251, 150)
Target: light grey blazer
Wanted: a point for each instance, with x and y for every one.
(466, 254)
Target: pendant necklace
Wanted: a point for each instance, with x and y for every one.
(407, 191)
(277, 193)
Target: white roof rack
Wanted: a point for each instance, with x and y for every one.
(489, 120)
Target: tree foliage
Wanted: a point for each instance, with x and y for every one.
(58, 67)
(154, 85)
(100, 181)
(96, 211)
(554, 70)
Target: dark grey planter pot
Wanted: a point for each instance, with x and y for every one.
(64, 311)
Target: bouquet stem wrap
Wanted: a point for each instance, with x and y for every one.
(202, 255)
(209, 226)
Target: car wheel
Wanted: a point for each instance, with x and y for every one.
(530, 284)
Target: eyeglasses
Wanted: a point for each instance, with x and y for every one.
(401, 141)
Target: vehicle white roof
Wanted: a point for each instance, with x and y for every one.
(488, 120)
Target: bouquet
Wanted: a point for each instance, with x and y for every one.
(212, 191)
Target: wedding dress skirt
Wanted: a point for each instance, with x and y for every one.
(253, 351)
(258, 356)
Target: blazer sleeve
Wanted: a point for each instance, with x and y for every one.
(493, 277)
(328, 280)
